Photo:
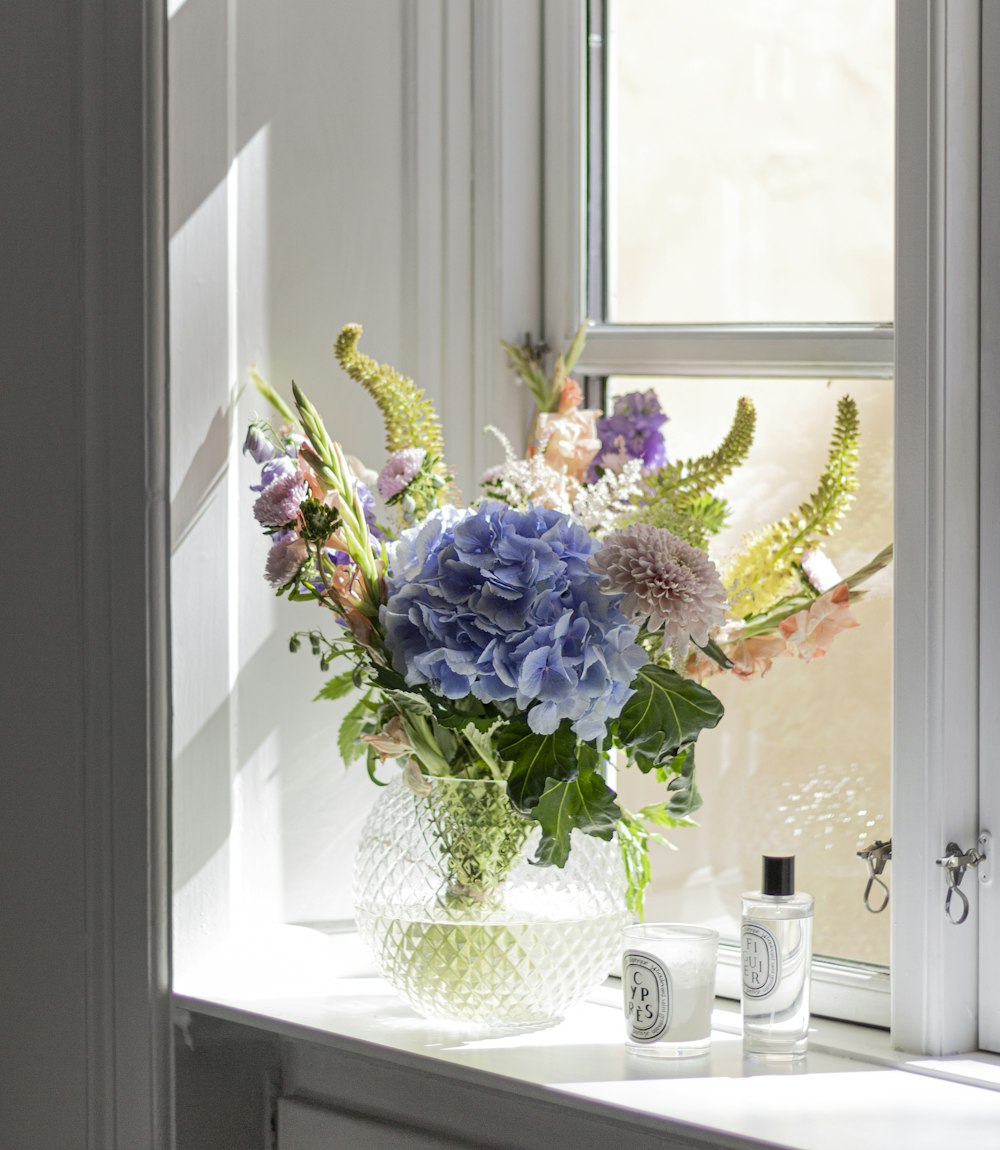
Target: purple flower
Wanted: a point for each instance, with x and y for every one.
(273, 469)
(632, 431)
(278, 503)
(257, 445)
(501, 604)
(370, 509)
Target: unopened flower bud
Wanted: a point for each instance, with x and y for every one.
(257, 445)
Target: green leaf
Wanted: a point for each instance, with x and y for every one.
(461, 712)
(585, 803)
(410, 701)
(351, 727)
(641, 761)
(446, 740)
(685, 798)
(387, 678)
(666, 713)
(482, 744)
(882, 559)
(659, 815)
(372, 763)
(272, 397)
(714, 651)
(336, 687)
(576, 347)
(588, 758)
(535, 759)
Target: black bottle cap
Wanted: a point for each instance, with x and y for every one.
(778, 875)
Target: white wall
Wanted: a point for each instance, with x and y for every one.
(322, 159)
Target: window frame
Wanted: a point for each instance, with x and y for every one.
(933, 351)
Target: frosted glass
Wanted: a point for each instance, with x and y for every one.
(800, 764)
(750, 162)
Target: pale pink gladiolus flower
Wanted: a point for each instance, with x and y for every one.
(750, 657)
(568, 441)
(811, 632)
(754, 656)
(367, 476)
(570, 396)
(391, 742)
(360, 627)
(414, 780)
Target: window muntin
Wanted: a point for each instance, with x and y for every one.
(750, 161)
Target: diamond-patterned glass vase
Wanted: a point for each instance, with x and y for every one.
(463, 926)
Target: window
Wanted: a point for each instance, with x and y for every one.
(751, 211)
(266, 256)
(694, 280)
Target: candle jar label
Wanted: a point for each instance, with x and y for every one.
(648, 996)
(761, 960)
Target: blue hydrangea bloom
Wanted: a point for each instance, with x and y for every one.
(502, 605)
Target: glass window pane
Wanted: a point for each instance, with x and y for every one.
(801, 762)
(750, 161)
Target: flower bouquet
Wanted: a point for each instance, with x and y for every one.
(503, 650)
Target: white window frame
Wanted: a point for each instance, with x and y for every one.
(934, 352)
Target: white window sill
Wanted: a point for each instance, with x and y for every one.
(320, 990)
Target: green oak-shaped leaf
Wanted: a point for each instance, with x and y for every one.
(585, 803)
(535, 759)
(666, 713)
(351, 727)
(337, 687)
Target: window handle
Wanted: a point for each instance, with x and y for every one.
(956, 862)
(876, 855)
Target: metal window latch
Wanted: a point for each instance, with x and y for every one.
(956, 862)
(876, 855)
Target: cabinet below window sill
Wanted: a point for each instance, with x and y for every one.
(350, 1064)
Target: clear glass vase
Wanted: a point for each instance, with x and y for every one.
(464, 926)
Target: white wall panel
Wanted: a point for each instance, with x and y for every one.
(324, 170)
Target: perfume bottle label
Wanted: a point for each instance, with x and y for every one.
(761, 960)
(648, 996)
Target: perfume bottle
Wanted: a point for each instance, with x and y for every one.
(776, 949)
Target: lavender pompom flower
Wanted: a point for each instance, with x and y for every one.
(286, 556)
(632, 431)
(501, 604)
(401, 468)
(278, 504)
(664, 580)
